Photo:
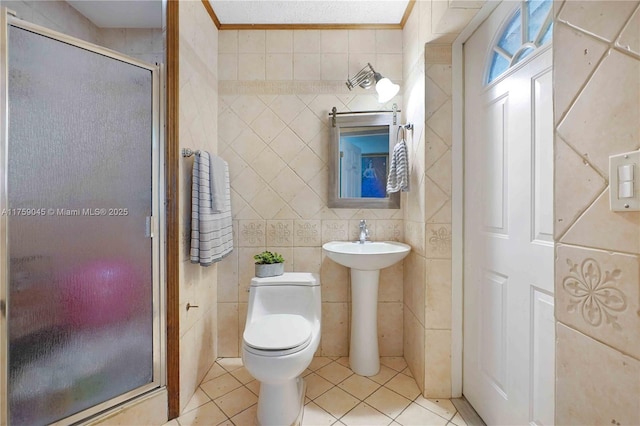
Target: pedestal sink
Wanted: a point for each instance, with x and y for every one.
(365, 261)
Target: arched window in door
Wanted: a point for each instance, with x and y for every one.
(529, 28)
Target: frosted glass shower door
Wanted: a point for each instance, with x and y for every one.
(82, 323)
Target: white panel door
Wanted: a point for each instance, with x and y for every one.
(508, 255)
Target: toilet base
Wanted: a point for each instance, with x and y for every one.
(282, 403)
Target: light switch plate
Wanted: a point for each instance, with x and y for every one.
(617, 203)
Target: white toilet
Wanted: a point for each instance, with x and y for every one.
(280, 337)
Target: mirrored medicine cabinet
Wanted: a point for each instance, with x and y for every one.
(361, 145)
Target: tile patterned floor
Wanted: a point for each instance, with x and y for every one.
(335, 396)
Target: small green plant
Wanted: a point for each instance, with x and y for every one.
(267, 258)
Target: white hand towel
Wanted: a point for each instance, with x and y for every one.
(211, 232)
(398, 179)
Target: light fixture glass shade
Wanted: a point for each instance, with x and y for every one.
(386, 90)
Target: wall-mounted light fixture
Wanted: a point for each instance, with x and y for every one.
(367, 77)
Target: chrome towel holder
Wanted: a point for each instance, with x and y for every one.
(188, 152)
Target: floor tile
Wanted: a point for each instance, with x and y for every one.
(319, 362)
(334, 372)
(442, 407)
(394, 362)
(199, 398)
(230, 364)
(416, 415)
(384, 375)
(388, 402)
(173, 422)
(220, 386)
(236, 401)
(336, 402)
(205, 415)
(315, 416)
(334, 397)
(458, 420)
(365, 415)
(344, 360)
(254, 386)
(247, 417)
(407, 372)
(359, 386)
(242, 375)
(316, 385)
(404, 385)
(214, 371)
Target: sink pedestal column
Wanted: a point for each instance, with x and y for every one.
(363, 351)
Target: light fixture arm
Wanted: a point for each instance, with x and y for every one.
(365, 78)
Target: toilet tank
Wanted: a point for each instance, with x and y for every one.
(289, 293)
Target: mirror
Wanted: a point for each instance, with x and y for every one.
(361, 148)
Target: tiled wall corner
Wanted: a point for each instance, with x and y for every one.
(427, 284)
(274, 133)
(198, 130)
(596, 63)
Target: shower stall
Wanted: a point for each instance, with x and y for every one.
(81, 296)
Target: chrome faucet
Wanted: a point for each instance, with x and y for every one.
(364, 232)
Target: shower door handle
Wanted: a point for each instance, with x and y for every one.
(3, 308)
(150, 225)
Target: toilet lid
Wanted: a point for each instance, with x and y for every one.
(277, 332)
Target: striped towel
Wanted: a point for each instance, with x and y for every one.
(211, 232)
(398, 179)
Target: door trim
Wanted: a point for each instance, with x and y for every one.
(172, 209)
(457, 195)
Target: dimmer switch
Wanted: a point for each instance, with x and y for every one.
(624, 182)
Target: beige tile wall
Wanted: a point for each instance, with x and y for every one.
(597, 105)
(427, 95)
(276, 90)
(198, 130)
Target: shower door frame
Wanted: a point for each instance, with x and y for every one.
(157, 222)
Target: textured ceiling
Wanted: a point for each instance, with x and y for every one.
(148, 13)
(309, 11)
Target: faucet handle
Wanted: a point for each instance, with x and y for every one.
(363, 222)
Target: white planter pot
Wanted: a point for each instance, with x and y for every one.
(269, 270)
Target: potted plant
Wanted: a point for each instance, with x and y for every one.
(269, 264)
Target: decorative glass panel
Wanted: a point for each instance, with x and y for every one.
(510, 48)
(79, 191)
(538, 12)
(511, 38)
(498, 65)
(547, 35)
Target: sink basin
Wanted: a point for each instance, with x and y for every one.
(369, 256)
(365, 261)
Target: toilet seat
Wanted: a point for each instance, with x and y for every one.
(277, 334)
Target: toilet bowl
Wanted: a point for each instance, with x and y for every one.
(281, 334)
